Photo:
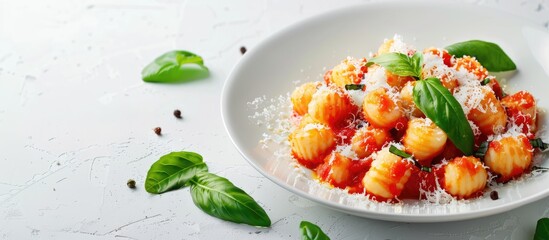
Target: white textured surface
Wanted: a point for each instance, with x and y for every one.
(76, 122)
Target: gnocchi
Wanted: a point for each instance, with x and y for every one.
(464, 177)
(363, 130)
(509, 157)
(387, 175)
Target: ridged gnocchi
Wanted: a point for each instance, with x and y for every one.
(489, 114)
(302, 95)
(368, 140)
(464, 177)
(311, 143)
(331, 105)
(387, 175)
(350, 71)
(336, 170)
(509, 157)
(361, 130)
(380, 109)
(424, 140)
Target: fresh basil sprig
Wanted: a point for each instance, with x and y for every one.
(175, 66)
(439, 105)
(400, 64)
(310, 231)
(490, 55)
(213, 194)
(218, 197)
(542, 229)
(173, 171)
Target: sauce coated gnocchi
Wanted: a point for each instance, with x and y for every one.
(349, 125)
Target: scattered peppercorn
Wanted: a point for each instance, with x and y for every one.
(242, 50)
(131, 183)
(158, 131)
(177, 113)
(494, 195)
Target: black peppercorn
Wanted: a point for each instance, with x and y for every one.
(177, 113)
(131, 183)
(494, 195)
(158, 131)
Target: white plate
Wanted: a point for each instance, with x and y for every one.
(305, 50)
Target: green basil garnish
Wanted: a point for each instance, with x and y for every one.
(394, 150)
(218, 197)
(542, 229)
(310, 231)
(538, 143)
(400, 64)
(490, 55)
(175, 66)
(354, 86)
(482, 149)
(439, 105)
(173, 171)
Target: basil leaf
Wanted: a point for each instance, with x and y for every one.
(482, 149)
(542, 229)
(490, 55)
(400, 64)
(417, 63)
(354, 86)
(175, 66)
(310, 231)
(173, 171)
(394, 150)
(218, 197)
(438, 104)
(538, 143)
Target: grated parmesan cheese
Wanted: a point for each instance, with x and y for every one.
(399, 46)
(276, 116)
(433, 66)
(375, 78)
(357, 96)
(469, 97)
(347, 151)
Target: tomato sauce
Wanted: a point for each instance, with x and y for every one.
(468, 165)
(344, 135)
(496, 145)
(385, 103)
(421, 180)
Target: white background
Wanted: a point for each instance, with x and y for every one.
(76, 123)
